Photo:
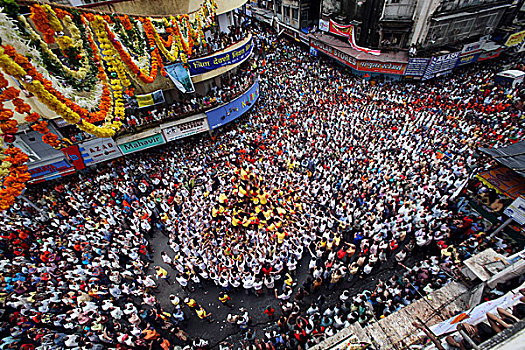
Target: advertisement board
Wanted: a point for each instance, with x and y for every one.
(416, 67)
(468, 59)
(441, 65)
(99, 150)
(332, 52)
(186, 127)
(490, 55)
(206, 64)
(180, 77)
(515, 39)
(381, 67)
(324, 25)
(51, 171)
(472, 47)
(141, 144)
(228, 112)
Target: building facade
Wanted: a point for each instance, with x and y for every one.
(425, 24)
(439, 23)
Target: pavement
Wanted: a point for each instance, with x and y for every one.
(219, 329)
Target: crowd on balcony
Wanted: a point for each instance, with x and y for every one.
(220, 41)
(357, 177)
(230, 87)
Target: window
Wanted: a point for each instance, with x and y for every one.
(286, 14)
(295, 14)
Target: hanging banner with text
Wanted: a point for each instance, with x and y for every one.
(150, 99)
(206, 64)
(515, 39)
(416, 67)
(441, 65)
(180, 77)
(226, 113)
(348, 31)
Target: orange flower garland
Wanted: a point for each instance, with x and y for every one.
(41, 21)
(31, 70)
(10, 126)
(126, 58)
(12, 185)
(124, 19)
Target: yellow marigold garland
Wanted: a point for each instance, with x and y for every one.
(38, 89)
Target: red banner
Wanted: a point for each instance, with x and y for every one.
(381, 67)
(347, 31)
(341, 30)
(73, 155)
(362, 66)
(330, 51)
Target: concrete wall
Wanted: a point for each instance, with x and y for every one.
(424, 10)
(397, 328)
(166, 7)
(404, 9)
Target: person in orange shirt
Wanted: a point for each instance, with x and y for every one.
(150, 333)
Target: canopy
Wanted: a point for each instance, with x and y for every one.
(512, 156)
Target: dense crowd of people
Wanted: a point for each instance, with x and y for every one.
(326, 170)
(220, 41)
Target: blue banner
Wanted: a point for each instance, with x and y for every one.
(206, 64)
(226, 113)
(468, 59)
(416, 67)
(441, 65)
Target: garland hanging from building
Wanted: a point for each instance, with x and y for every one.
(80, 65)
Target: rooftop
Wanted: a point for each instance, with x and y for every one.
(340, 45)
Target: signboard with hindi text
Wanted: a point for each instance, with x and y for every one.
(358, 65)
(230, 111)
(207, 64)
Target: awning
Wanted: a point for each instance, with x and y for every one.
(512, 156)
(138, 136)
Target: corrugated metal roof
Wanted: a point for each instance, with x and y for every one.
(512, 156)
